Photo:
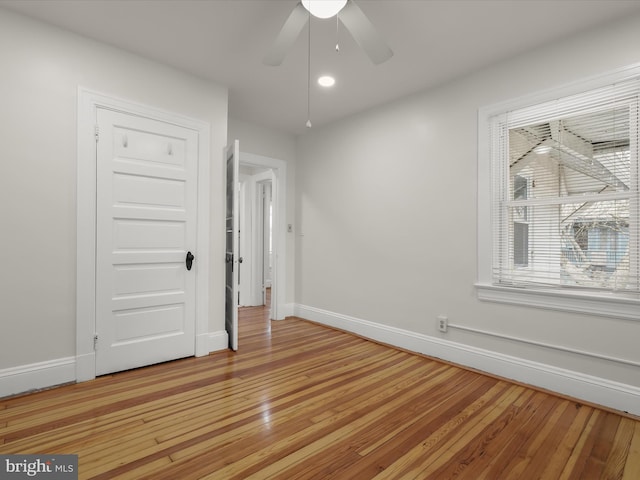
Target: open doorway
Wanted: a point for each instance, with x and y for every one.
(255, 235)
(262, 233)
(265, 225)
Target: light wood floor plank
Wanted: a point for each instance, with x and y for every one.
(619, 452)
(632, 464)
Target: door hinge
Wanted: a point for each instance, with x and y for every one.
(97, 130)
(95, 341)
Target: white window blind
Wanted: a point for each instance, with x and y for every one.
(565, 209)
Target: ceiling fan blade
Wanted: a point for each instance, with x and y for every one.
(364, 33)
(287, 36)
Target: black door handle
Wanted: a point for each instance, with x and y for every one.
(189, 260)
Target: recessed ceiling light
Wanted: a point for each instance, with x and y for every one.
(326, 81)
(324, 8)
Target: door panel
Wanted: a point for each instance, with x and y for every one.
(148, 146)
(132, 189)
(150, 234)
(231, 256)
(146, 223)
(148, 278)
(136, 323)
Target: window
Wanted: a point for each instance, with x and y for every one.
(559, 197)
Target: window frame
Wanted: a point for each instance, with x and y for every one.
(603, 303)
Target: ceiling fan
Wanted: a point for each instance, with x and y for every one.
(351, 16)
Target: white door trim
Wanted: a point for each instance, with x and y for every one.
(279, 280)
(88, 103)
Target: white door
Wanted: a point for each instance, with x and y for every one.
(146, 229)
(232, 235)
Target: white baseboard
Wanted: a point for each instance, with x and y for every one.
(289, 310)
(36, 376)
(578, 385)
(86, 367)
(211, 342)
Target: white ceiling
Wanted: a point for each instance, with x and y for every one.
(225, 41)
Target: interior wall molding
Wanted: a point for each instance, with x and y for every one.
(36, 376)
(211, 342)
(596, 390)
(290, 309)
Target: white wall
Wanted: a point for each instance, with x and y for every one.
(267, 142)
(387, 221)
(42, 68)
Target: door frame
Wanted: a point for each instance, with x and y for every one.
(232, 250)
(279, 200)
(88, 103)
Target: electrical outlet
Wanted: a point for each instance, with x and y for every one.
(443, 323)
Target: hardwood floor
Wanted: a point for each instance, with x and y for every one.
(303, 401)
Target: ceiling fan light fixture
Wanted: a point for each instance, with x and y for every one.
(324, 8)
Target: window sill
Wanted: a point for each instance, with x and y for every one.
(625, 306)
